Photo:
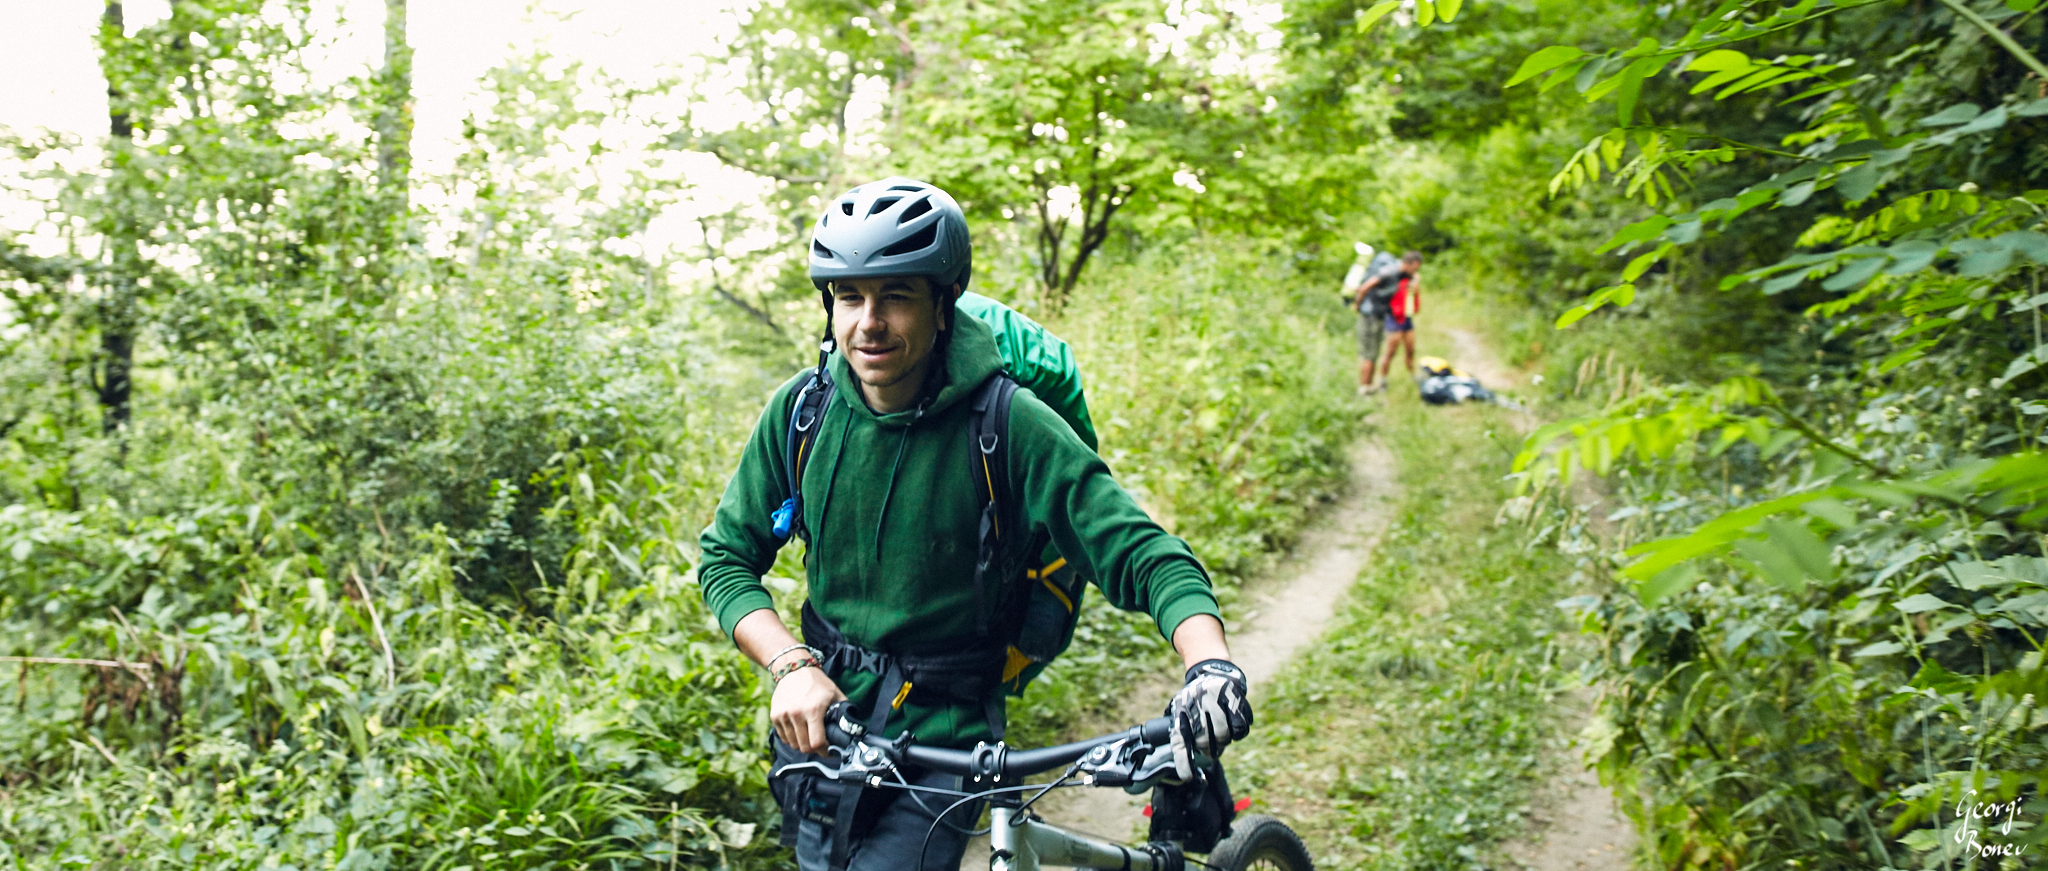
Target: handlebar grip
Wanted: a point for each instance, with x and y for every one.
(1157, 731)
(834, 734)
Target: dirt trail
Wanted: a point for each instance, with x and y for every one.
(1275, 618)
(1575, 823)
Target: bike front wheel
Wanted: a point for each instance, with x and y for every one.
(1260, 843)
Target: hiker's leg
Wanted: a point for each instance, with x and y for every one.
(1387, 356)
(1369, 341)
(1408, 349)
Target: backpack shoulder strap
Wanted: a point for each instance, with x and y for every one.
(801, 436)
(989, 424)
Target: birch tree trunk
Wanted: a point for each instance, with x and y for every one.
(394, 118)
(117, 314)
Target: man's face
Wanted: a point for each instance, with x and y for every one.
(1411, 267)
(886, 328)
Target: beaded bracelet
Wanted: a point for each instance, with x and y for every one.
(793, 667)
(770, 661)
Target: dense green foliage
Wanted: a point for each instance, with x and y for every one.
(385, 559)
(1817, 413)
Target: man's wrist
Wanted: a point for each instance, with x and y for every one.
(1217, 666)
(793, 666)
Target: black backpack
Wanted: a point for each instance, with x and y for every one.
(1039, 607)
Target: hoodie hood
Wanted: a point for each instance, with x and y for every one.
(970, 360)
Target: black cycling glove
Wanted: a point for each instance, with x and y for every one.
(1208, 713)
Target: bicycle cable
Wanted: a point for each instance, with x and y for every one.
(914, 790)
(934, 828)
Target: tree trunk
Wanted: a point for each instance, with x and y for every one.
(117, 313)
(394, 116)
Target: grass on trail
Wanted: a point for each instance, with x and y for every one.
(1413, 733)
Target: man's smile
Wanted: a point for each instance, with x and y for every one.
(878, 352)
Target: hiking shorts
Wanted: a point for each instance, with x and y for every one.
(1371, 333)
(1400, 325)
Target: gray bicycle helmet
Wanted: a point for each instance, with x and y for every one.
(896, 226)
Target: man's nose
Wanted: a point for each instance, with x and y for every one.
(871, 317)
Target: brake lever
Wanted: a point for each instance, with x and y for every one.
(864, 764)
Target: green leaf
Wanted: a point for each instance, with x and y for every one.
(1857, 184)
(1559, 76)
(2028, 242)
(1676, 579)
(1719, 59)
(1881, 648)
(1630, 89)
(1788, 555)
(1901, 358)
(1991, 120)
(1834, 512)
(2029, 110)
(1721, 78)
(1932, 676)
(1448, 9)
(1377, 12)
(1987, 262)
(1643, 230)
(1854, 274)
(1589, 74)
(1956, 114)
(1797, 194)
(1425, 13)
(1642, 263)
(1713, 535)
(1543, 61)
(1784, 282)
(1621, 294)
(2022, 5)
(1921, 603)
(1923, 326)
(1911, 257)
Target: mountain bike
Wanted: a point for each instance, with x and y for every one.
(1135, 759)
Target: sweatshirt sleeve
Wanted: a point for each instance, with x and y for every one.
(740, 544)
(1068, 493)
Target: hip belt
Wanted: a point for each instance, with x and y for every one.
(971, 676)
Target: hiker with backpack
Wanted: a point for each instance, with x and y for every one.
(930, 490)
(1404, 301)
(1371, 286)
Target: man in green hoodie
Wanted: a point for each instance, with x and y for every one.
(899, 620)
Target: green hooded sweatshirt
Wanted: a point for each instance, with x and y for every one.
(893, 516)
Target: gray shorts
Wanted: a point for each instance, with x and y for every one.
(1372, 332)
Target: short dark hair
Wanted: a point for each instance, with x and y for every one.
(1413, 256)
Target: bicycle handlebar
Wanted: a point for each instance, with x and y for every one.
(994, 762)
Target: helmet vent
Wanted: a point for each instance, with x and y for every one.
(846, 207)
(907, 187)
(915, 209)
(917, 241)
(818, 249)
(883, 203)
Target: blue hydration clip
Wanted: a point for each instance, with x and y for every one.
(784, 517)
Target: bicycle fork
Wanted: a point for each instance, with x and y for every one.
(1028, 843)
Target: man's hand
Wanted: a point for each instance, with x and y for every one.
(1208, 713)
(798, 708)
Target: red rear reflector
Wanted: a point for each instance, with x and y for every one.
(1240, 807)
(1147, 811)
